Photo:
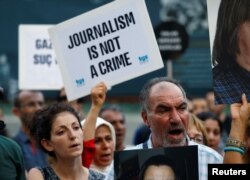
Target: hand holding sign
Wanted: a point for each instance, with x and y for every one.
(113, 43)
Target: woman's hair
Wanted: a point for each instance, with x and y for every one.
(231, 15)
(157, 160)
(209, 115)
(41, 125)
(195, 121)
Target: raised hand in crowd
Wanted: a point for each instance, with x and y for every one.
(236, 147)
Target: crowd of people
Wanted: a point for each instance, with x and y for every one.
(56, 141)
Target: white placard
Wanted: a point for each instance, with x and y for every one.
(212, 10)
(38, 69)
(113, 43)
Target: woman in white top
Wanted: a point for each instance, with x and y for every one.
(104, 146)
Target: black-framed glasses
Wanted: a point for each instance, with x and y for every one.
(198, 139)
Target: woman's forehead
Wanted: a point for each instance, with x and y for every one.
(64, 118)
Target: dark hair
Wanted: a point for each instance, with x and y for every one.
(1, 93)
(17, 101)
(63, 98)
(231, 15)
(209, 115)
(157, 160)
(141, 134)
(112, 107)
(145, 91)
(2, 125)
(41, 125)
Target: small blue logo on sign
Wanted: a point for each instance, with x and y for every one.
(79, 82)
(143, 59)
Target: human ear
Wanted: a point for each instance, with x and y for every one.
(16, 111)
(47, 145)
(144, 116)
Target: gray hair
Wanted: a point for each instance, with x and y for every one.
(112, 107)
(145, 91)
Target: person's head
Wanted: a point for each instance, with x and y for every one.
(165, 111)
(190, 105)
(26, 103)
(213, 127)
(114, 115)
(196, 130)
(76, 104)
(199, 105)
(57, 130)
(158, 167)
(104, 143)
(212, 107)
(233, 15)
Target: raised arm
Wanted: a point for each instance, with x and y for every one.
(240, 116)
(98, 96)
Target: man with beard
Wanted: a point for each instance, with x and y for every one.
(114, 115)
(26, 103)
(165, 111)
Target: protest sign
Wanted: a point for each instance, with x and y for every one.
(113, 43)
(212, 12)
(38, 69)
(133, 164)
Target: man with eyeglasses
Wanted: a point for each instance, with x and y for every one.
(26, 103)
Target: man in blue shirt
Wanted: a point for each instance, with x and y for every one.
(26, 103)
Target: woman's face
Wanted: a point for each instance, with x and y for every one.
(213, 133)
(159, 172)
(244, 44)
(104, 146)
(195, 135)
(66, 136)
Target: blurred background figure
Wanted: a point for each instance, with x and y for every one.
(3, 131)
(11, 156)
(76, 104)
(190, 105)
(114, 115)
(220, 111)
(214, 130)
(141, 134)
(26, 104)
(196, 130)
(199, 105)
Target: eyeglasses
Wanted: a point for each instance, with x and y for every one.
(198, 139)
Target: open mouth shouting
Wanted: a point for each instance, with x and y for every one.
(175, 133)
